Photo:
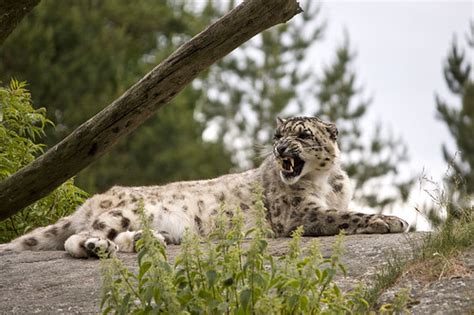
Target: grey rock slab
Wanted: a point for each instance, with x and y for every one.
(447, 296)
(51, 282)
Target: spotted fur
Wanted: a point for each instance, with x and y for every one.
(302, 181)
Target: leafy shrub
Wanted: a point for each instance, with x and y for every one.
(20, 127)
(228, 275)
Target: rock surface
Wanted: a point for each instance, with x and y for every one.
(51, 282)
(450, 294)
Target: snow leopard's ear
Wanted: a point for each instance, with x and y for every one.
(332, 131)
(280, 121)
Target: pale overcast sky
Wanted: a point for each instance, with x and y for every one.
(401, 47)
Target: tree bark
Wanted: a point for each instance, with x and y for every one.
(97, 135)
(11, 13)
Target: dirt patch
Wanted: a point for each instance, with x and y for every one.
(436, 269)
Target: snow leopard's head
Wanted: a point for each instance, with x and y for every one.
(304, 145)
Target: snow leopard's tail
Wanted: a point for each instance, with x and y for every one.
(51, 237)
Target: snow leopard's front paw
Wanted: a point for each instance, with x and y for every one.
(386, 224)
(84, 245)
(97, 247)
(138, 235)
(396, 225)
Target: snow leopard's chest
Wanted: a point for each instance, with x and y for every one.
(288, 205)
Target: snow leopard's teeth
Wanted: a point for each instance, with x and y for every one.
(287, 164)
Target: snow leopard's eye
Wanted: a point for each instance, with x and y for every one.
(277, 136)
(304, 135)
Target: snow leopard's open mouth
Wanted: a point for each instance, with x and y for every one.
(291, 166)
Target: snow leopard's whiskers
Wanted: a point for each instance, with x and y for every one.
(263, 150)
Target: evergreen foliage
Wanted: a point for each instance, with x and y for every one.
(20, 127)
(460, 122)
(81, 55)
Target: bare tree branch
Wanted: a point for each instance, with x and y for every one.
(97, 136)
(11, 13)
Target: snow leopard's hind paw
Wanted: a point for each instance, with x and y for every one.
(386, 224)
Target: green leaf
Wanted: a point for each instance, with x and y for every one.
(343, 269)
(124, 306)
(304, 301)
(143, 269)
(211, 277)
(244, 298)
(294, 283)
(292, 301)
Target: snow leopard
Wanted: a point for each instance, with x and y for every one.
(301, 180)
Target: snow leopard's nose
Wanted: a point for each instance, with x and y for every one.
(281, 148)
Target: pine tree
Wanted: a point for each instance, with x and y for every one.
(460, 121)
(272, 76)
